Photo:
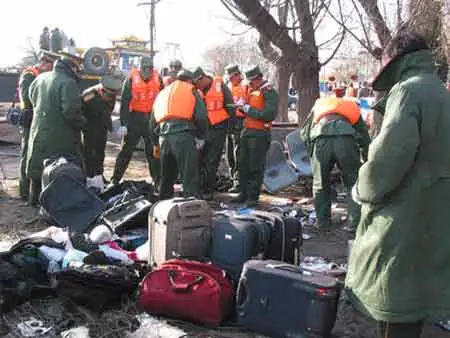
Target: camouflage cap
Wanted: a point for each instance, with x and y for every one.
(198, 73)
(112, 81)
(253, 73)
(232, 69)
(146, 61)
(185, 75)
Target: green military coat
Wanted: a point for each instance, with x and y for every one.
(58, 119)
(399, 269)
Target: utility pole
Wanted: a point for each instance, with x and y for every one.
(151, 23)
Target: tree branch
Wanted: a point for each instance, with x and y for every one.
(379, 24)
(333, 54)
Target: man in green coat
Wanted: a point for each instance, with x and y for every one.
(336, 135)
(180, 139)
(98, 104)
(138, 94)
(219, 103)
(399, 269)
(26, 78)
(239, 91)
(57, 122)
(260, 111)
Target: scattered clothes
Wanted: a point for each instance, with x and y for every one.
(52, 254)
(54, 233)
(322, 265)
(33, 328)
(116, 254)
(100, 234)
(73, 255)
(444, 324)
(151, 327)
(143, 252)
(130, 254)
(77, 332)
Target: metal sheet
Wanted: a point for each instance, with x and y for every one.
(298, 154)
(278, 173)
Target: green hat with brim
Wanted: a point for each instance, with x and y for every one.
(185, 75)
(72, 57)
(253, 73)
(198, 73)
(112, 82)
(232, 69)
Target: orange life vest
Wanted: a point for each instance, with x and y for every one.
(239, 92)
(28, 70)
(33, 70)
(214, 101)
(143, 94)
(256, 100)
(348, 109)
(175, 102)
(350, 92)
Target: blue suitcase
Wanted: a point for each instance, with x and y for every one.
(236, 239)
(281, 300)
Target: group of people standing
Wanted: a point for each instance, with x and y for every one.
(185, 121)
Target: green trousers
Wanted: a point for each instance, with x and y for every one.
(179, 155)
(252, 161)
(212, 153)
(233, 151)
(400, 330)
(24, 182)
(138, 127)
(343, 152)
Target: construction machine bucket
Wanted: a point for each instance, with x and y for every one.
(278, 173)
(298, 154)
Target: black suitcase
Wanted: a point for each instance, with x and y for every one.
(236, 239)
(127, 215)
(127, 190)
(65, 165)
(286, 240)
(281, 300)
(70, 204)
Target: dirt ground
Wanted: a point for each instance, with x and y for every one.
(18, 220)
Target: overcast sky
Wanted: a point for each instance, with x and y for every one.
(196, 24)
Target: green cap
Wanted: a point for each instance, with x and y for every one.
(198, 73)
(112, 81)
(253, 72)
(146, 61)
(74, 58)
(176, 64)
(185, 75)
(232, 69)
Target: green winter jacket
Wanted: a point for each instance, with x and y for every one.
(58, 119)
(399, 268)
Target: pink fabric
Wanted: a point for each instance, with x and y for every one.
(131, 254)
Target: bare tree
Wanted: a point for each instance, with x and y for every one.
(292, 45)
(31, 54)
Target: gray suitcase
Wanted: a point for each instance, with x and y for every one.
(179, 227)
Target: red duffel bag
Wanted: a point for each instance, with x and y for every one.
(190, 290)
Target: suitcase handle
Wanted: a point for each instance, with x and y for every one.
(242, 293)
(182, 287)
(290, 268)
(192, 209)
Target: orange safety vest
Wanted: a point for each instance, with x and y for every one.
(175, 102)
(143, 94)
(348, 109)
(350, 92)
(239, 92)
(28, 70)
(214, 102)
(256, 100)
(33, 70)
